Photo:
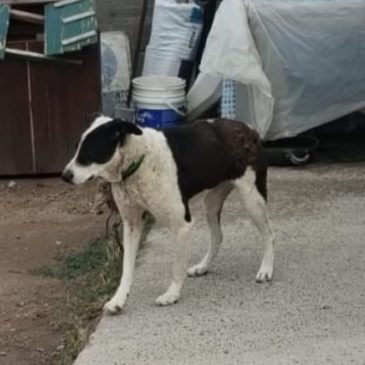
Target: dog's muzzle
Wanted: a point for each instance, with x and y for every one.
(67, 176)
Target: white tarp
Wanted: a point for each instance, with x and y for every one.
(307, 55)
(230, 53)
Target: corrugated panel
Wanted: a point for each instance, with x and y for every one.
(70, 25)
(4, 25)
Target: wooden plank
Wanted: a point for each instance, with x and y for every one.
(15, 139)
(62, 98)
(77, 17)
(78, 38)
(60, 4)
(27, 17)
(27, 2)
(34, 56)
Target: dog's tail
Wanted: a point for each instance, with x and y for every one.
(261, 174)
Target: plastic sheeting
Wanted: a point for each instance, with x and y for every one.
(115, 70)
(307, 55)
(230, 53)
(115, 61)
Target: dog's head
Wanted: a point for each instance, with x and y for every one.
(100, 151)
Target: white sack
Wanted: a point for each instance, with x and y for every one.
(175, 33)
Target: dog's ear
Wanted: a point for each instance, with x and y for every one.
(127, 127)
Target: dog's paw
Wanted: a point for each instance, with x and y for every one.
(167, 299)
(197, 270)
(265, 274)
(113, 307)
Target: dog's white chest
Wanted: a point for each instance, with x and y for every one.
(128, 194)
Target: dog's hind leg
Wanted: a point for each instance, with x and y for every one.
(214, 201)
(255, 205)
(181, 258)
(132, 230)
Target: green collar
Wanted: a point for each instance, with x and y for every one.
(132, 168)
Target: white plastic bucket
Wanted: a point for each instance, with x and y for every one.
(159, 101)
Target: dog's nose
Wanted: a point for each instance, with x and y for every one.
(67, 176)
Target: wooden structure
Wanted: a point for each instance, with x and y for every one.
(44, 100)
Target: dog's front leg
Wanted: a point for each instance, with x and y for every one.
(181, 258)
(132, 230)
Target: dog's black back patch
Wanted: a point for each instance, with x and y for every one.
(100, 144)
(206, 154)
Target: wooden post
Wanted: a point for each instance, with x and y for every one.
(27, 17)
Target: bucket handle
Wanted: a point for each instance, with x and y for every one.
(173, 107)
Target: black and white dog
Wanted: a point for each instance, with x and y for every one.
(160, 171)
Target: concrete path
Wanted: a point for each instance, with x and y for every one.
(313, 313)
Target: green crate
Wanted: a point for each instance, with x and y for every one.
(4, 25)
(69, 26)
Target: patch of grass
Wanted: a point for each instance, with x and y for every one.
(87, 294)
(91, 276)
(91, 258)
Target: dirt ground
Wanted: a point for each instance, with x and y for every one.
(40, 220)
